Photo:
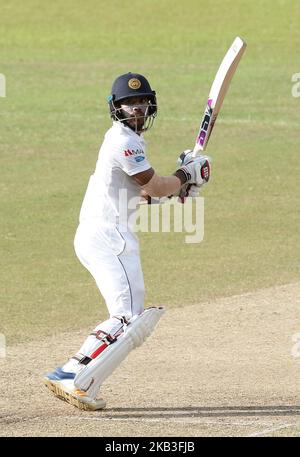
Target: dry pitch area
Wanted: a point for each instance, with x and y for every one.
(224, 368)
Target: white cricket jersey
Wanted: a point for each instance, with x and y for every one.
(112, 195)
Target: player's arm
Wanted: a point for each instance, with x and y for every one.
(154, 185)
(195, 171)
(144, 196)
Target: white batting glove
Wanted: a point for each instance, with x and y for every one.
(195, 171)
(188, 190)
(185, 157)
(193, 191)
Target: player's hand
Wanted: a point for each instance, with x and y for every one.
(196, 171)
(185, 157)
(188, 190)
(192, 190)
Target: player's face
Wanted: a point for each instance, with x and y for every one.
(135, 110)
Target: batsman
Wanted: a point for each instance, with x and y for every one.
(106, 244)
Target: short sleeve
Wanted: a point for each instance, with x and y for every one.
(132, 160)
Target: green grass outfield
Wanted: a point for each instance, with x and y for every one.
(59, 59)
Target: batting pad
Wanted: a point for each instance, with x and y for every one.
(91, 377)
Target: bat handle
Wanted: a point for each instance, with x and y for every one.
(196, 150)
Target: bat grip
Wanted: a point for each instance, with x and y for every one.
(195, 151)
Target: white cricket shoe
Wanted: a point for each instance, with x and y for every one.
(61, 384)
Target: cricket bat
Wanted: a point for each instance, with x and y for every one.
(216, 96)
(215, 99)
(217, 93)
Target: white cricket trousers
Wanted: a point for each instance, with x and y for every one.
(112, 257)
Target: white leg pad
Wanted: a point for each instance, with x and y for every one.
(91, 377)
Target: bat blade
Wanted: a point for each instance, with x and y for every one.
(218, 91)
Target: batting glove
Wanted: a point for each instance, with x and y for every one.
(196, 171)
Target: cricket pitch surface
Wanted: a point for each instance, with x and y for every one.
(229, 367)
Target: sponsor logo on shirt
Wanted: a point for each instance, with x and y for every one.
(139, 158)
(133, 152)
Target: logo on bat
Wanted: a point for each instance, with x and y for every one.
(205, 123)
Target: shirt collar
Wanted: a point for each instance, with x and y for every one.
(127, 130)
